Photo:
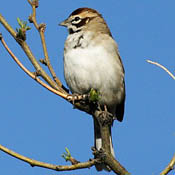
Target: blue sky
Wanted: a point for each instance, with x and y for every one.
(38, 124)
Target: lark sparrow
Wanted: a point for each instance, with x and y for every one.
(92, 60)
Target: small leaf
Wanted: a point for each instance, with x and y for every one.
(19, 22)
(21, 32)
(68, 152)
(66, 155)
(28, 28)
(94, 95)
(23, 24)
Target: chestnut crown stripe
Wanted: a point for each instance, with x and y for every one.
(80, 10)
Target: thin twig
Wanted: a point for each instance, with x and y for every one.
(32, 75)
(29, 2)
(169, 167)
(58, 92)
(164, 68)
(30, 55)
(47, 165)
(41, 30)
(64, 95)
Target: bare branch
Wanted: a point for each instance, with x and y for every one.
(61, 93)
(169, 167)
(164, 68)
(47, 165)
(30, 55)
(32, 75)
(41, 30)
(108, 159)
(29, 1)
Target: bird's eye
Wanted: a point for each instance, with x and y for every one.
(76, 18)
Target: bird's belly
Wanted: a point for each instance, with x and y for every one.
(94, 68)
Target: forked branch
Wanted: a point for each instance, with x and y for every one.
(32, 75)
(30, 55)
(47, 165)
(41, 29)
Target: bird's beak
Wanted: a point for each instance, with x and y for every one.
(64, 23)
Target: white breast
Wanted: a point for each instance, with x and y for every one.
(94, 65)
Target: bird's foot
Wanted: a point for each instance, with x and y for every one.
(77, 97)
(106, 118)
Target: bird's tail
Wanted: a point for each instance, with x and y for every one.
(98, 144)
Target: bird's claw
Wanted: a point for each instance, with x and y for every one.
(76, 97)
(106, 118)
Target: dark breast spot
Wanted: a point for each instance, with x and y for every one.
(78, 44)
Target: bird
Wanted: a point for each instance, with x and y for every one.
(92, 61)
